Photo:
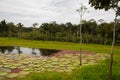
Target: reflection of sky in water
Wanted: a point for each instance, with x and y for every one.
(29, 51)
(26, 50)
(14, 51)
(23, 50)
(6, 52)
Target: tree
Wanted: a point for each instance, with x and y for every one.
(11, 29)
(69, 28)
(92, 26)
(101, 21)
(4, 28)
(81, 11)
(34, 25)
(108, 4)
(20, 26)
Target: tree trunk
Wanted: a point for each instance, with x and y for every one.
(80, 40)
(112, 47)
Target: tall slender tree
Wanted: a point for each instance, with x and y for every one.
(81, 11)
(108, 4)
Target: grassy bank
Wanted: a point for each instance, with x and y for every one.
(93, 72)
(57, 45)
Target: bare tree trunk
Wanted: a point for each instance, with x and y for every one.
(81, 11)
(80, 40)
(77, 34)
(112, 47)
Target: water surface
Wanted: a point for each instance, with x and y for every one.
(26, 50)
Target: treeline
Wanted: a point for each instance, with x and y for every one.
(92, 32)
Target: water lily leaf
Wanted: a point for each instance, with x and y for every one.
(7, 66)
(22, 67)
(26, 69)
(13, 67)
(12, 75)
(3, 74)
(1, 66)
(23, 73)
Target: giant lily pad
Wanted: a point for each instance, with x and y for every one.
(12, 75)
(3, 74)
(24, 73)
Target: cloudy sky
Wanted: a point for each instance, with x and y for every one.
(40, 11)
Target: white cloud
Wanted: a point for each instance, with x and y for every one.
(40, 11)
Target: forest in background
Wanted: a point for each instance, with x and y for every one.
(92, 31)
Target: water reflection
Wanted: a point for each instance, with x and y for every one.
(6, 49)
(26, 50)
(19, 50)
(48, 52)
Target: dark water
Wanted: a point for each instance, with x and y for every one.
(26, 50)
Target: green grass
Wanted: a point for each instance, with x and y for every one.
(44, 76)
(57, 45)
(95, 72)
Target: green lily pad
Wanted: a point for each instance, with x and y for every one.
(3, 74)
(7, 66)
(13, 67)
(24, 73)
(12, 75)
(1, 66)
(22, 67)
(26, 69)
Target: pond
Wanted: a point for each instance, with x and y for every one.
(26, 50)
(16, 64)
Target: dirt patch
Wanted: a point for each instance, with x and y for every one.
(73, 52)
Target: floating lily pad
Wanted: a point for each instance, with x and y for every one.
(22, 67)
(7, 66)
(5, 70)
(13, 67)
(24, 73)
(3, 74)
(26, 69)
(12, 75)
(1, 66)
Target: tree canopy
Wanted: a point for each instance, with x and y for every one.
(105, 4)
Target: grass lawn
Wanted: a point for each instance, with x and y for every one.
(94, 72)
(57, 45)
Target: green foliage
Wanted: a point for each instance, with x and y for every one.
(100, 4)
(92, 32)
(103, 4)
(106, 4)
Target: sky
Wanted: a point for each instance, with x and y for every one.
(40, 11)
